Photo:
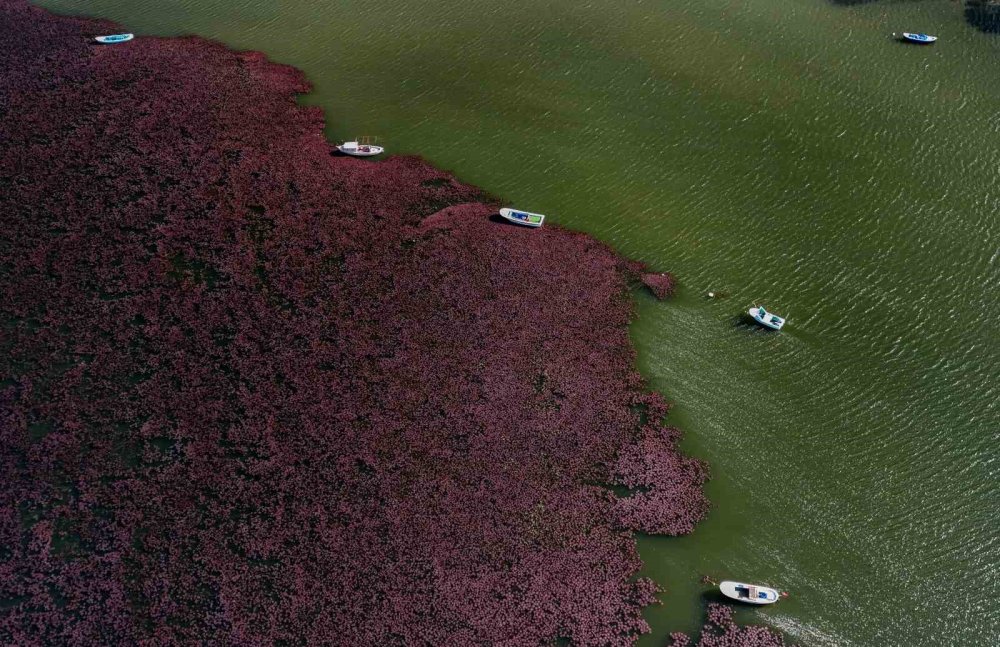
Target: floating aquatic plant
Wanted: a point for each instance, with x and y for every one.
(721, 631)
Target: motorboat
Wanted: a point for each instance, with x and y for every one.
(363, 147)
(114, 38)
(765, 318)
(525, 218)
(749, 593)
(923, 39)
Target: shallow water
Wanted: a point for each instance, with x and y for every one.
(781, 152)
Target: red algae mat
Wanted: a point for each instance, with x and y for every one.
(257, 393)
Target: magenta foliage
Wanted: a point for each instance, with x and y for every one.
(721, 631)
(662, 285)
(253, 392)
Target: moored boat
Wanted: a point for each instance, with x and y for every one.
(923, 39)
(749, 593)
(114, 38)
(363, 147)
(523, 217)
(765, 318)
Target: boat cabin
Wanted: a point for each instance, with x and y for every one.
(751, 592)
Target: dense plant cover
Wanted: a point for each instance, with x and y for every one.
(721, 631)
(662, 285)
(256, 393)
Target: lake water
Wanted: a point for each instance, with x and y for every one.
(783, 152)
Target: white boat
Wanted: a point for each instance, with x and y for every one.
(765, 318)
(749, 593)
(114, 38)
(363, 147)
(924, 39)
(523, 217)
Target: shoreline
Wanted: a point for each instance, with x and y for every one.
(222, 344)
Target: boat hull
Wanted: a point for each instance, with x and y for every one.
(523, 218)
(749, 593)
(363, 151)
(920, 39)
(767, 319)
(114, 38)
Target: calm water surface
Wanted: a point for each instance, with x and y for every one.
(785, 152)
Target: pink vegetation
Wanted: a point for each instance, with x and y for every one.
(721, 631)
(662, 285)
(255, 393)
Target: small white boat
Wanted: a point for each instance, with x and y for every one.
(749, 593)
(114, 38)
(765, 318)
(923, 39)
(363, 147)
(523, 217)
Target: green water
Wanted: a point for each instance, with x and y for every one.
(780, 151)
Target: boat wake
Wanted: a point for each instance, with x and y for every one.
(808, 634)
